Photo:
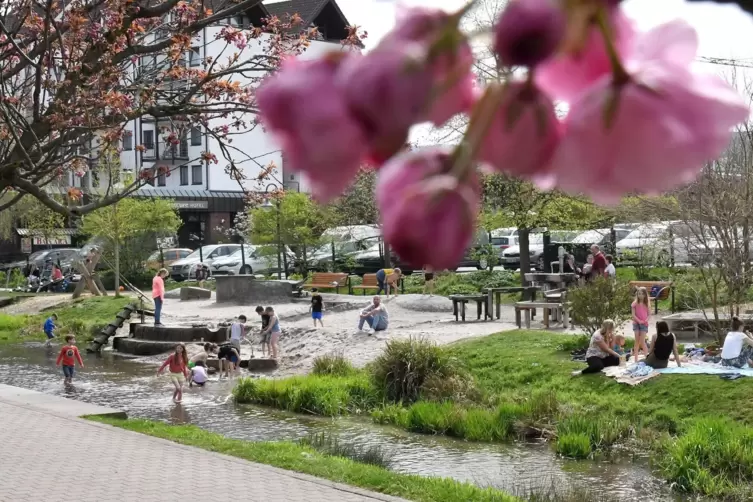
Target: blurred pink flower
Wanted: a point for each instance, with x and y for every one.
(565, 76)
(386, 92)
(304, 108)
(524, 134)
(419, 199)
(417, 28)
(667, 122)
(529, 31)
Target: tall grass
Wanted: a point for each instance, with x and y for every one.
(315, 395)
(714, 457)
(602, 431)
(333, 364)
(405, 365)
(329, 444)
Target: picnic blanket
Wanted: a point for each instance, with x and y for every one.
(622, 374)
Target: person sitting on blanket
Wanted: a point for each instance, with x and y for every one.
(663, 344)
(738, 346)
(600, 354)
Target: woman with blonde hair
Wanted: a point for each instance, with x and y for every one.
(600, 354)
(641, 308)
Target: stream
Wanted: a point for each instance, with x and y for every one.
(132, 385)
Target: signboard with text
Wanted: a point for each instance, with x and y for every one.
(26, 245)
(63, 240)
(197, 204)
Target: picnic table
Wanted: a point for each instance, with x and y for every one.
(494, 303)
(559, 311)
(699, 322)
(462, 300)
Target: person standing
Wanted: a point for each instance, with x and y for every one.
(599, 265)
(317, 307)
(428, 280)
(178, 365)
(610, 271)
(274, 331)
(158, 295)
(237, 330)
(264, 334)
(641, 311)
(49, 329)
(69, 354)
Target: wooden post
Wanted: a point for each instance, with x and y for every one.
(88, 278)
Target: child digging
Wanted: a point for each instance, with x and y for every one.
(69, 354)
(264, 335)
(178, 363)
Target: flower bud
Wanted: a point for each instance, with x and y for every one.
(524, 134)
(528, 32)
(428, 214)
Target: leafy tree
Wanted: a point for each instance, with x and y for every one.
(128, 219)
(74, 73)
(301, 222)
(357, 206)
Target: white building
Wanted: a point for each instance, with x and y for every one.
(206, 194)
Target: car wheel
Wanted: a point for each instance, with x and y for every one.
(246, 270)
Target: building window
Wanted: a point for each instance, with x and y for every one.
(196, 175)
(183, 153)
(161, 179)
(127, 140)
(194, 56)
(183, 175)
(195, 136)
(147, 138)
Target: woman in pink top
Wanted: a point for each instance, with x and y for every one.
(641, 312)
(158, 294)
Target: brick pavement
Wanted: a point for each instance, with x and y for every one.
(50, 457)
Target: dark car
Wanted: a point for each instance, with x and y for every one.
(38, 258)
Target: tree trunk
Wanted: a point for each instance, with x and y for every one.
(387, 255)
(525, 257)
(117, 268)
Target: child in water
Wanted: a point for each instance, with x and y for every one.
(317, 307)
(69, 354)
(178, 363)
(49, 329)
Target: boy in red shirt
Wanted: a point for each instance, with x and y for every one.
(68, 356)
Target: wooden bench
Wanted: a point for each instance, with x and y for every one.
(495, 297)
(462, 300)
(328, 280)
(665, 289)
(546, 307)
(369, 282)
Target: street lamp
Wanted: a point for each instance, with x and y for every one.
(267, 206)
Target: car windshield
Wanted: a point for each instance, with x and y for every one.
(205, 251)
(500, 241)
(590, 237)
(562, 235)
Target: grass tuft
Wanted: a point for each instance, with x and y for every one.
(333, 364)
(329, 444)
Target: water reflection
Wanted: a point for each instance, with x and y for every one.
(133, 385)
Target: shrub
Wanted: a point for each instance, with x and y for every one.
(365, 454)
(713, 458)
(13, 322)
(405, 365)
(458, 388)
(572, 343)
(598, 300)
(333, 364)
(574, 445)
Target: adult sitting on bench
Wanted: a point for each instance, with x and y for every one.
(375, 315)
(386, 278)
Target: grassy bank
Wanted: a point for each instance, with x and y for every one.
(308, 460)
(82, 317)
(518, 384)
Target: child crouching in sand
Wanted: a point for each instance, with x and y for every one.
(178, 363)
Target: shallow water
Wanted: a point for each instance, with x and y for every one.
(132, 385)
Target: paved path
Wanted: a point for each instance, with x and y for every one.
(53, 457)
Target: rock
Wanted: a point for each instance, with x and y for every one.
(173, 294)
(141, 347)
(422, 303)
(192, 293)
(178, 334)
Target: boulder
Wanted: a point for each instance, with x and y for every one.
(192, 293)
(173, 294)
(141, 347)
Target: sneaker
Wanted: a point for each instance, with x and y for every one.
(576, 373)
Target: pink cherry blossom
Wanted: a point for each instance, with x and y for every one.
(565, 76)
(668, 121)
(524, 134)
(451, 68)
(386, 91)
(529, 31)
(304, 108)
(419, 199)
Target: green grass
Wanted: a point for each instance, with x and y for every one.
(82, 318)
(307, 460)
(333, 364)
(324, 395)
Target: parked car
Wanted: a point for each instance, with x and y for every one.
(185, 269)
(169, 256)
(321, 257)
(503, 238)
(38, 258)
(511, 255)
(258, 260)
